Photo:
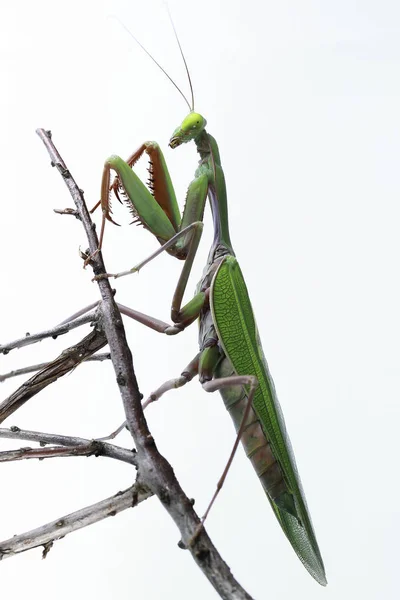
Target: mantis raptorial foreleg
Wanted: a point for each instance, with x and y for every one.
(157, 210)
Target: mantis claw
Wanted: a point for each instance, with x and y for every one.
(88, 258)
(196, 533)
(123, 273)
(101, 276)
(114, 434)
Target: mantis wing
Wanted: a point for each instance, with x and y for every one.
(237, 331)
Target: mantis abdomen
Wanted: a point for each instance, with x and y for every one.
(257, 446)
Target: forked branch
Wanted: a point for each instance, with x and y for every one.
(54, 332)
(63, 364)
(34, 368)
(96, 447)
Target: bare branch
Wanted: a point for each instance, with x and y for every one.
(157, 473)
(33, 368)
(54, 332)
(63, 364)
(49, 452)
(103, 449)
(45, 535)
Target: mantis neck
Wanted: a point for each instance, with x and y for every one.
(210, 160)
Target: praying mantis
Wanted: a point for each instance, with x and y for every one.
(231, 359)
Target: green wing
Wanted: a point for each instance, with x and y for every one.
(237, 331)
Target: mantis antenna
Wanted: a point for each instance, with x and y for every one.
(191, 108)
(182, 54)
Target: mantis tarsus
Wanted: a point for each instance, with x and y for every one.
(231, 358)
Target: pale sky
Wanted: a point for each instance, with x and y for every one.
(303, 99)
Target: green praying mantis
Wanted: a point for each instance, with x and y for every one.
(231, 358)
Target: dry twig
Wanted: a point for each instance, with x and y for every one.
(99, 448)
(34, 368)
(54, 332)
(63, 364)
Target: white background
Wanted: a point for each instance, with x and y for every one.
(303, 99)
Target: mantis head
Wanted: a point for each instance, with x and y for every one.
(189, 129)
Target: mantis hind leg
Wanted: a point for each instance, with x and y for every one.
(213, 386)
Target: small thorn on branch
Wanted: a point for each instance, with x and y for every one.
(46, 549)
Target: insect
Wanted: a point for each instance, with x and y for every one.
(231, 358)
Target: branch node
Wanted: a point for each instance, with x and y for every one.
(165, 497)
(97, 448)
(202, 554)
(149, 441)
(121, 380)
